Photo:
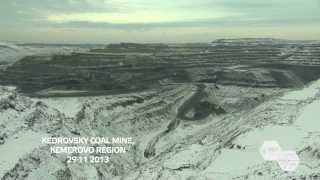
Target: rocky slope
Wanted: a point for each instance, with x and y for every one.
(167, 146)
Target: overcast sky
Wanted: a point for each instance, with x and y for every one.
(106, 21)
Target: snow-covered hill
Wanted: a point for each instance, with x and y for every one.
(10, 53)
(166, 147)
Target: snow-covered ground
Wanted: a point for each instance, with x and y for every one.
(295, 136)
(16, 147)
(10, 53)
(190, 150)
(69, 106)
(299, 95)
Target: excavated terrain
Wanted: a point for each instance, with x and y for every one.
(128, 67)
(195, 111)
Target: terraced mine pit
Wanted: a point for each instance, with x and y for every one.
(196, 111)
(129, 67)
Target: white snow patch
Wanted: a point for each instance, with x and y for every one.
(16, 147)
(291, 137)
(304, 94)
(69, 106)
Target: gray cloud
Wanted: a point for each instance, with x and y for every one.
(15, 11)
(32, 14)
(60, 6)
(223, 22)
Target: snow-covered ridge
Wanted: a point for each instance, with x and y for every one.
(10, 53)
(8, 45)
(259, 41)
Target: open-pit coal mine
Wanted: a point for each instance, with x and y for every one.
(195, 110)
